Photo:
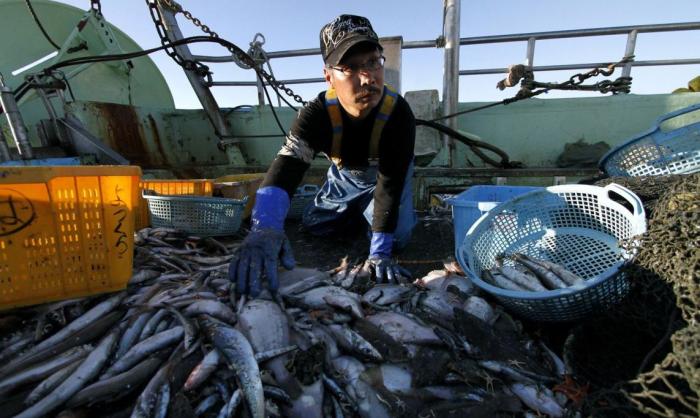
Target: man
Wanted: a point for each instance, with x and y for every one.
(367, 130)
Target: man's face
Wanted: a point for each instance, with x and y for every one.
(358, 81)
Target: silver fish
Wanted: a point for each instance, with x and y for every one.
(439, 303)
(546, 276)
(538, 398)
(388, 294)
(322, 297)
(132, 333)
(88, 318)
(267, 328)
(203, 370)
(239, 355)
(118, 385)
(50, 383)
(481, 309)
(404, 329)
(309, 404)
(212, 308)
(42, 370)
(567, 276)
(353, 342)
(498, 280)
(229, 409)
(300, 279)
(393, 377)
(143, 349)
(522, 279)
(87, 370)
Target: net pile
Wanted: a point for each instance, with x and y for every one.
(643, 359)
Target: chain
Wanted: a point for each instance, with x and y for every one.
(528, 85)
(237, 53)
(575, 82)
(199, 68)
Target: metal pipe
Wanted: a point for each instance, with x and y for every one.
(4, 149)
(530, 54)
(629, 51)
(14, 120)
(648, 63)
(615, 30)
(206, 98)
(253, 83)
(450, 80)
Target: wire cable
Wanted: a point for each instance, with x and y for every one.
(41, 27)
(474, 145)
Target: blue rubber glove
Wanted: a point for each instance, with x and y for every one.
(380, 261)
(265, 244)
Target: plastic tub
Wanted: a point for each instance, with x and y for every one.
(577, 226)
(469, 205)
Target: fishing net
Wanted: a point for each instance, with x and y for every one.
(643, 358)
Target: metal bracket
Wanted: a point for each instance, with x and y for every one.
(83, 142)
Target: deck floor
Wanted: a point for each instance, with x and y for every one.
(431, 244)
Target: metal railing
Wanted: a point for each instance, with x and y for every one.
(530, 38)
(451, 38)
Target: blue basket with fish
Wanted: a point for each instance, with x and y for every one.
(204, 216)
(302, 198)
(658, 151)
(578, 227)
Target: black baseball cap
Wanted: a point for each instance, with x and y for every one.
(342, 33)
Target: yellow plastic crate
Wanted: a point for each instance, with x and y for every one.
(65, 232)
(198, 187)
(237, 186)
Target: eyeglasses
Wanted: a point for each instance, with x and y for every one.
(373, 64)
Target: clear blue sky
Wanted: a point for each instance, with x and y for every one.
(295, 25)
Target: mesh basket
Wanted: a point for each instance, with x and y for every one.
(577, 226)
(302, 198)
(205, 216)
(657, 152)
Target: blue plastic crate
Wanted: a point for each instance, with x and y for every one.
(468, 206)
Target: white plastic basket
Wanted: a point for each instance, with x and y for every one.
(657, 152)
(577, 226)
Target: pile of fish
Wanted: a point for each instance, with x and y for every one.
(180, 342)
(528, 274)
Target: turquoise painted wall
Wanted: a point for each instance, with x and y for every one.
(535, 131)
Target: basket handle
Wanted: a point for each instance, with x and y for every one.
(625, 193)
(677, 113)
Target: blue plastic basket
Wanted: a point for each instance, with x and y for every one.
(657, 152)
(577, 226)
(204, 216)
(302, 198)
(468, 206)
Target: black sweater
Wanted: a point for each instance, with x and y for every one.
(312, 133)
